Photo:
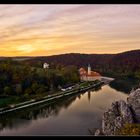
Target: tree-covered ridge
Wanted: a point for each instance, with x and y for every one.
(115, 65)
(127, 63)
(22, 79)
(25, 74)
(124, 67)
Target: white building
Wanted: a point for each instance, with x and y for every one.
(89, 69)
(45, 65)
(89, 75)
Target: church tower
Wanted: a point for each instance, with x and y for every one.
(89, 69)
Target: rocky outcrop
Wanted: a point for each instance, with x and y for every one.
(121, 113)
(116, 117)
(98, 132)
(134, 102)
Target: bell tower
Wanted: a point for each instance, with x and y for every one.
(89, 69)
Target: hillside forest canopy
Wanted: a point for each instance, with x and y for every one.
(27, 76)
(21, 80)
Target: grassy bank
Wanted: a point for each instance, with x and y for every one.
(6, 101)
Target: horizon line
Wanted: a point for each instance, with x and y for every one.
(74, 53)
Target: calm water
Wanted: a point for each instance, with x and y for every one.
(71, 116)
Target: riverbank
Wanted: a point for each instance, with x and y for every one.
(78, 88)
(72, 115)
(125, 84)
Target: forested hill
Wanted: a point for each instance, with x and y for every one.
(76, 59)
(130, 57)
(124, 67)
(108, 64)
(127, 58)
(122, 62)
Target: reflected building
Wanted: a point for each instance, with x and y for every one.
(89, 95)
(79, 96)
(25, 116)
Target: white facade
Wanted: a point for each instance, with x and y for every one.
(45, 66)
(90, 78)
(89, 75)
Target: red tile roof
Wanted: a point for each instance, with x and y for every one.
(83, 72)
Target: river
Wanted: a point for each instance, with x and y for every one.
(72, 115)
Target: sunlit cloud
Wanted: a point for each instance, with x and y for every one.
(38, 30)
(25, 48)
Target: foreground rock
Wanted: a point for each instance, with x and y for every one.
(134, 102)
(121, 113)
(98, 132)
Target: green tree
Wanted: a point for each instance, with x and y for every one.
(35, 86)
(18, 89)
(7, 90)
(28, 91)
(137, 74)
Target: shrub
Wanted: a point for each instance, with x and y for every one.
(130, 129)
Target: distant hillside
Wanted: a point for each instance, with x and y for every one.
(129, 60)
(120, 63)
(76, 59)
(124, 67)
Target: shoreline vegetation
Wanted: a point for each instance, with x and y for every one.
(20, 82)
(80, 87)
(125, 84)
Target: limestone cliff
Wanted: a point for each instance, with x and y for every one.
(121, 113)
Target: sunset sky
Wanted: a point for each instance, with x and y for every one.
(41, 30)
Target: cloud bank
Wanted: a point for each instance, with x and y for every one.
(35, 30)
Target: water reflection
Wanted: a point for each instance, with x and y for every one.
(72, 115)
(79, 96)
(36, 112)
(89, 95)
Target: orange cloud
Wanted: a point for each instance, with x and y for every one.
(55, 29)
